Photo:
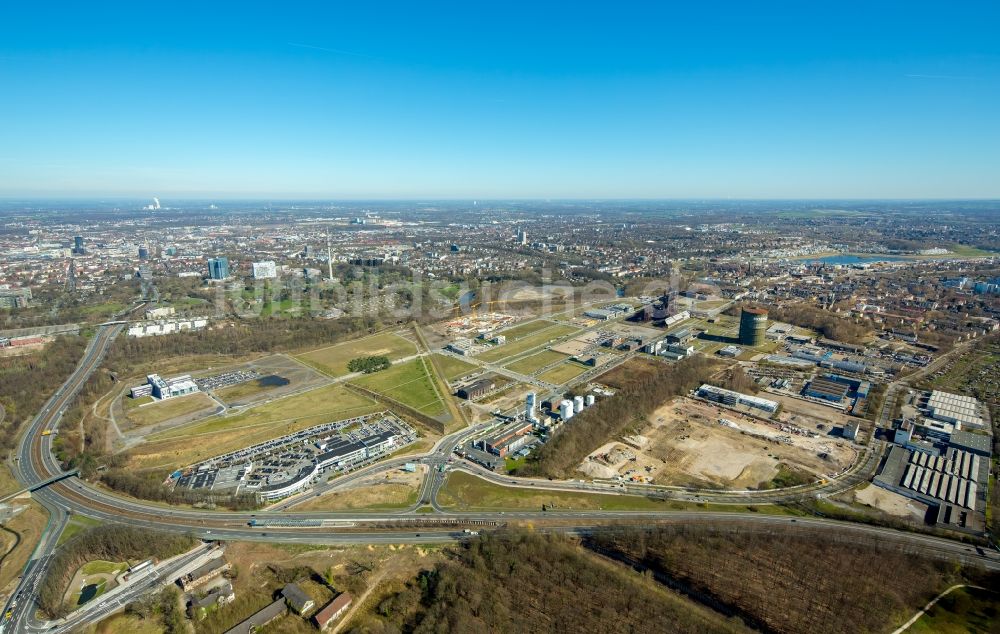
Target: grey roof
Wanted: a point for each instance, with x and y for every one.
(895, 464)
(971, 441)
(295, 595)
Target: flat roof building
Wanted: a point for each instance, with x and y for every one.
(979, 444)
(827, 389)
(729, 397)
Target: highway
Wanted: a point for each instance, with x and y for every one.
(34, 463)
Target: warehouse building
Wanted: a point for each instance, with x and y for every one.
(683, 335)
(827, 389)
(952, 482)
(978, 444)
(476, 389)
(963, 411)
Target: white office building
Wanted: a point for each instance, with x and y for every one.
(265, 270)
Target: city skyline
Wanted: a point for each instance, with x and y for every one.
(777, 102)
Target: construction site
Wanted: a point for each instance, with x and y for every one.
(690, 442)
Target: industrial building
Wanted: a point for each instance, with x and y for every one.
(753, 326)
(729, 397)
(827, 389)
(161, 388)
(530, 405)
(476, 389)
(953, 482)
(507, 439)
(683, 335)
(963, 411)
(264, 270)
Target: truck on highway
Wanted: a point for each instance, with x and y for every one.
(50, 432)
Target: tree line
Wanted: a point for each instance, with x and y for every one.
(800, 580)
(109, 542)
(611, 417)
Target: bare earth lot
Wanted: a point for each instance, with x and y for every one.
(685, 444)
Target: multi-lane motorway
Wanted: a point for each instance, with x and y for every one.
(35, 463)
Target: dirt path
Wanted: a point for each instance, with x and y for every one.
(905, 626)
(358, 602)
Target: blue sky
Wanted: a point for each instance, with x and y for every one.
(498, 100)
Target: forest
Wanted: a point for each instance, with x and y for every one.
(826, 323)
(611, 417)
(239, 337)
(109, 542)
(26, 382)
(522, 583)
(801, 580)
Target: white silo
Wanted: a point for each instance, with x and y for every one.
(566, 409)
(589, 400)
(577, 404)
(529, 406)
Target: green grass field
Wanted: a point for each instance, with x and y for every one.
(964, 610)
(535, 362)
(523, 330)
(333, 360)
(99, 567)
(524, 344)
(171, 408)
(562, 373)
(453, 368)
(409, 383)
(76, 524)
(464, 491)
(187, 444)
(132, 403)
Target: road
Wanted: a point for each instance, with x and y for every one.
(35, 463)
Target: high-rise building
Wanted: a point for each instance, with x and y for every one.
(522, 236)
(753, 325)
(264, 270)
(143, 253)
(218, 268)
(78, 248)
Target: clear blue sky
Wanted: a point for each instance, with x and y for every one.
(493, 100)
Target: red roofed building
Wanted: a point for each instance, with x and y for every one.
(333, 610)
